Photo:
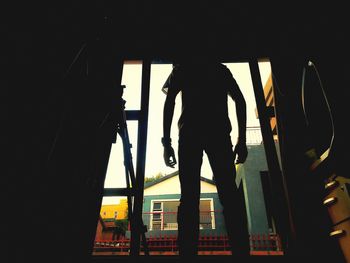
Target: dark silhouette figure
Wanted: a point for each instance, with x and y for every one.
(204, 125)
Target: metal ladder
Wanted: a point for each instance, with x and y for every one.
(131, 183)
(134, 182)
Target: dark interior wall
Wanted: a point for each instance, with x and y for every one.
(53, 141)
(42, 43)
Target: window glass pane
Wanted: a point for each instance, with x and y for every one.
(116, 177)
(170, 206)
(156, 217)
(155, 163)
(132, 79)
(156, 226)
(205, 214)
(205, 205)
(160, 216)
(157, 206)
(170, 214)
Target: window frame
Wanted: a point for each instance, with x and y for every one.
(211, 200)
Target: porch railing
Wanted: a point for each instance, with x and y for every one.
(259, 244)
(168, 220)
(253, 135)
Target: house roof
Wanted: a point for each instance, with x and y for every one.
(168, 176)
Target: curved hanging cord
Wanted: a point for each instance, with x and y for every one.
(275, 84)
(311, 64)
(74, 60)
(77, 56)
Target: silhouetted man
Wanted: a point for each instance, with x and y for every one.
(204, 125)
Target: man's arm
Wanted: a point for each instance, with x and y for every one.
(241, 113)
(168, 113)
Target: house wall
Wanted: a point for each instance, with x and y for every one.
(219, 220)
(249, 173)
(108, 211)
(172, 186)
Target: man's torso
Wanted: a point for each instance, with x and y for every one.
(204, 94)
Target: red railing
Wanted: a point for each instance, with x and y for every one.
(163, 241)
(259, 245)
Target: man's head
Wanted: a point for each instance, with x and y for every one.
(197, 51)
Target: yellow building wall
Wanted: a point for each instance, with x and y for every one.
(108, 211)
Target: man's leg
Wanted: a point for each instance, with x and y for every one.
(190, 161)
(221, 160)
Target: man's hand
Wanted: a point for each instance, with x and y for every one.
(169, 156)
(241, 152)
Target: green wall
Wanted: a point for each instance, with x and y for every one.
(249, 174)
(219, 220)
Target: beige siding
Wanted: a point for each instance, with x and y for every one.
(172, 186)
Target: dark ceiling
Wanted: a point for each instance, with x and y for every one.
(234, 28)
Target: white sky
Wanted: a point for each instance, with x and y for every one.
(154, 156)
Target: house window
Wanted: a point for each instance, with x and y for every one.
(157, 219)
(164, 215)
(157, 206)
(206, 215)
(115, 214)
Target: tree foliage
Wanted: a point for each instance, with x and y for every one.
(154, 177)
(121, 226)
